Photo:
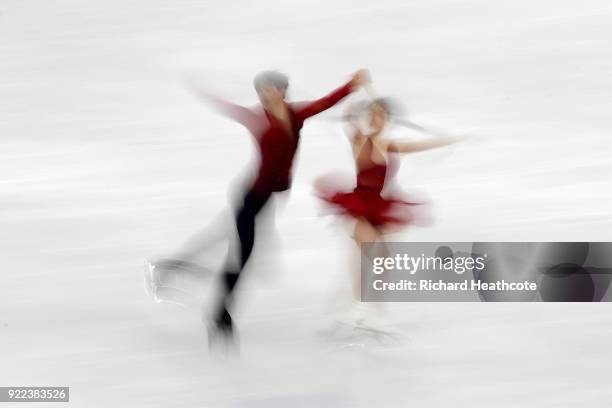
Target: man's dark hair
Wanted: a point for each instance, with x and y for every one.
(276, 79)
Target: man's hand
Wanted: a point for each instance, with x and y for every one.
(360, 78)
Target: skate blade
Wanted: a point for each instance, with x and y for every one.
(150, 285)
(346, 335)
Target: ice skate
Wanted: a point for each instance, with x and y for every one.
(360, 326)
(222, 334)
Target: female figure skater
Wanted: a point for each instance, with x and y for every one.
(372, 204)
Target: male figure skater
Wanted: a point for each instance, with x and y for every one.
(276, 127)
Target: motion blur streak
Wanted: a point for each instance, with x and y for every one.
(106, 159)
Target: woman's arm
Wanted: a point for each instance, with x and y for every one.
(351, 119)
(357, 140)
(419, 146)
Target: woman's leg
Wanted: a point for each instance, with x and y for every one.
(370, 314)
(364, 233)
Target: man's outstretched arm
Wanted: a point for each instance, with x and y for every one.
(312, 108)
(240, 114)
